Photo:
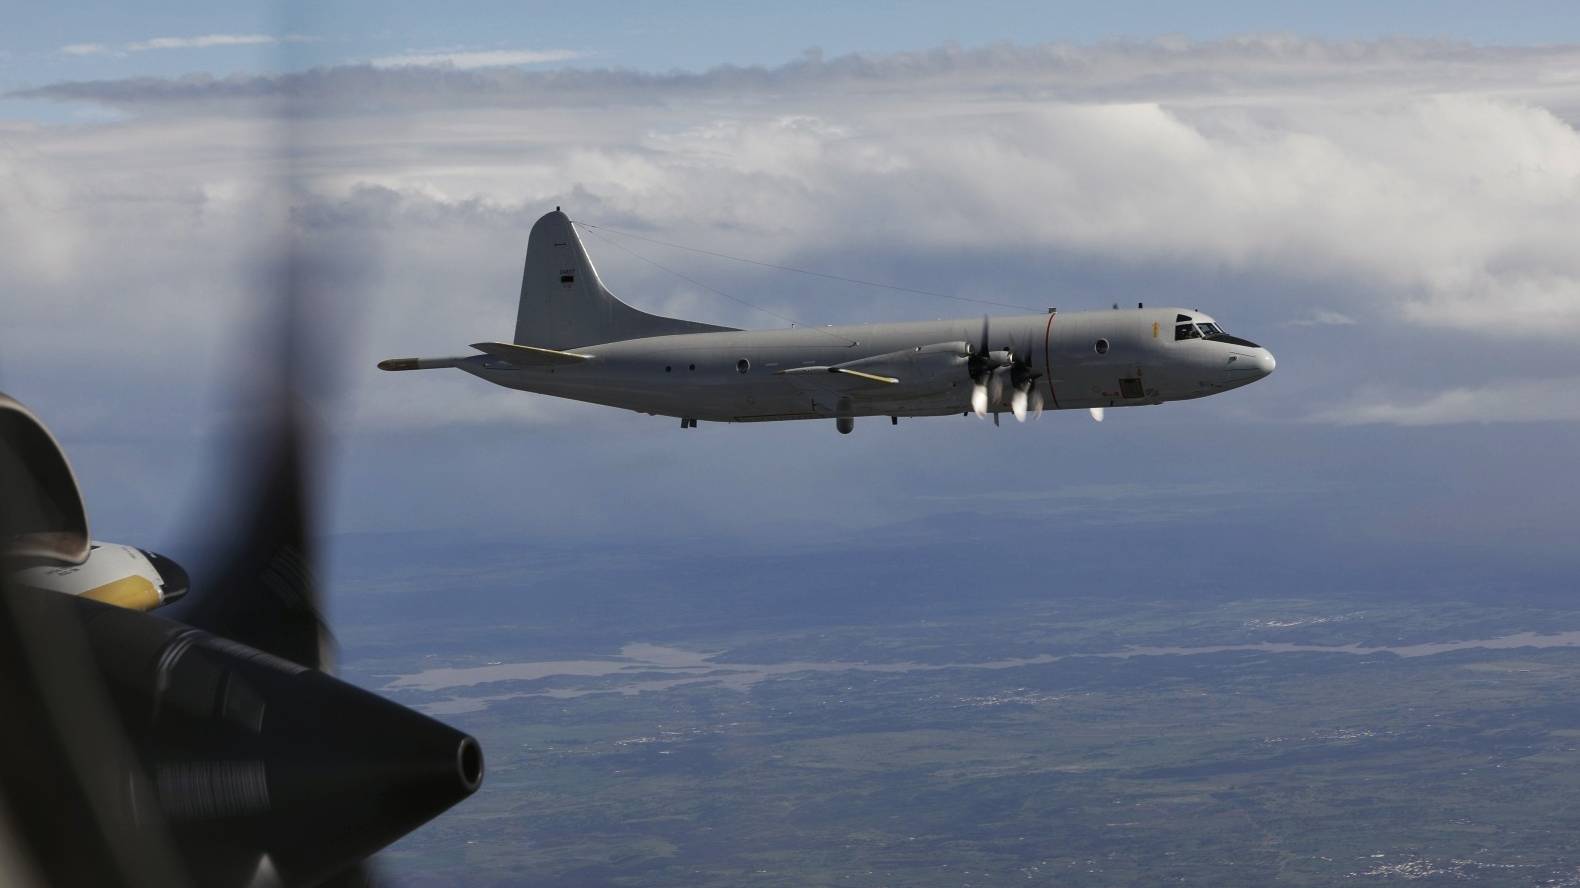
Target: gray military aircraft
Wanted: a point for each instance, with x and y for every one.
(575, 340)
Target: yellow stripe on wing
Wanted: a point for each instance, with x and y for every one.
(888, 380)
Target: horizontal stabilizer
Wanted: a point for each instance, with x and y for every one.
(529, 355)
(419, 363)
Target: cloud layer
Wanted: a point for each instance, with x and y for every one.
(1396, 219)
(1249, 70)
(1507, 401)
(200, 41)
(1418, 182)
(468, 59)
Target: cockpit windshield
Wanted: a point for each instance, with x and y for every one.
(1210, 332)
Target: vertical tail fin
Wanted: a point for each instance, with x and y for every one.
(564, 304)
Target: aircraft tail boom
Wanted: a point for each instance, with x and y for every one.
(419, 363)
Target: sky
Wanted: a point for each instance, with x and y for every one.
(1386, 195)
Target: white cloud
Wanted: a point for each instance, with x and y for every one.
(1503, 401)
(204, 41)
(1251, 72)
(201, 41)
(1323, 318)
(1421, 181)
(469, 59)
(1414, 185)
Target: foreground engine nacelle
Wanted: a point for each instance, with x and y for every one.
(254, 760)
(151, 751)
(44, 535)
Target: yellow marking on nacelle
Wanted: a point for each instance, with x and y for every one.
(133, 593)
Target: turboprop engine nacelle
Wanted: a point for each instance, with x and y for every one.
(251, 756)
(230, 764)
(44, 540)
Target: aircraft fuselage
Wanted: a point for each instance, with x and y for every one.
(1084, 359)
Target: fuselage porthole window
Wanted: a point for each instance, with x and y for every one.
(1101, 346)
(742, 365)
(693, 366)
(668, 368)
(1186, 331)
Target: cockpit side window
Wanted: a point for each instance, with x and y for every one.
(1209, 330)
(1186, 331)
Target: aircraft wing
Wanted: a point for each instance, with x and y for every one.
(848, 373)
(829, 386)
(909, 377)
(924, 367)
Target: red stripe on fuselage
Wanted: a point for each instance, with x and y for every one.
(1047, 360)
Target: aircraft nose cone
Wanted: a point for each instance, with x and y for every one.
(1265, 363)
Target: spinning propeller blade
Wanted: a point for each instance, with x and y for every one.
(981, 371)
(207, 743)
